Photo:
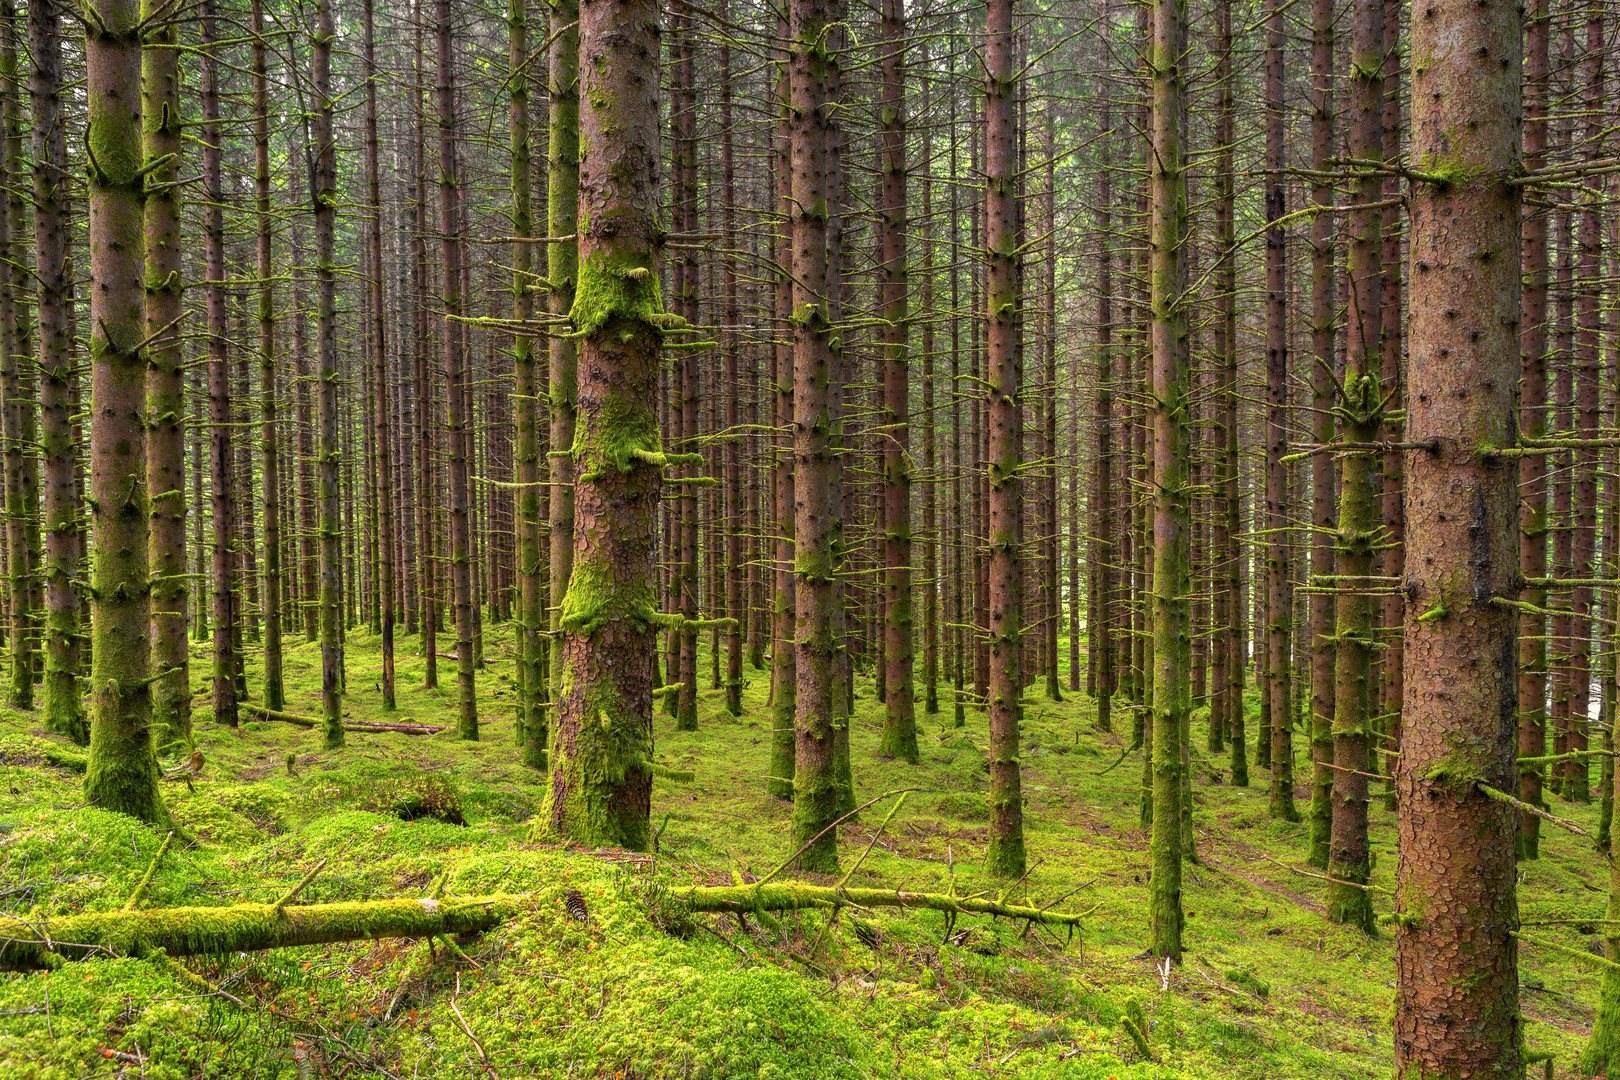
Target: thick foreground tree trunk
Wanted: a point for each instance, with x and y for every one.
(1457, 1004)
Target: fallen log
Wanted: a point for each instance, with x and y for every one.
(348, 725)
(189, 931)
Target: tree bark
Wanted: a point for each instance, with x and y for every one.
(379, 358)
(1457, 1000)
(784, 615)
(323, 194)
(122, 774)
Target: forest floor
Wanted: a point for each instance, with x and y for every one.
(1269, 989)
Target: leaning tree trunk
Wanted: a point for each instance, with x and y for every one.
(64, 705)
(1361, 416)
(899, 739)
(324, 196)
(1457, 999)
(379, 378)
(812, 69)
(1169, 403)
(122, 774)
(601, 778)
(1004, 855)
(455, 375)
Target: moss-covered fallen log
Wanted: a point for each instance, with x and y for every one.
(793, 896)
(349, 725)
(190, 931)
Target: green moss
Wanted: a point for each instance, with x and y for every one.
(614, 289)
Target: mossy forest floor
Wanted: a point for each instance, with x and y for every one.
(1269, 988)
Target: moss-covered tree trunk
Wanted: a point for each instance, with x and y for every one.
(19, 567)
(1457, 999)
(122, 774)
(813, 73)
(1360, 411)
(455, 375)
(562, 212)
(380, 376)
(601, 779)
(269, 420)
(63, 704)
(1279, 618)
(324, 198)
(1169, 404)
(899, 739)
(784, 674)
(1004, 855)
(1324, 362)
(165, 378)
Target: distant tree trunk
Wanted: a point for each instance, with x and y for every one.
(123, 770)
(931, 563)
(562, 271)
(1587, 288)
(1105, 548)
(532, 619)
(1393, 363)
(426, 419)
(601, 779)
(813, 76)
(899, 739)
(1223, 577)
(219, 384)
(19, 567)
(1279, 619)
(455, 375)
(269, 422)
(64, 705)
(1360, 408)
(165, 380)
(1533, 425)
(1324, 349)
(1052, 584)
(784, 675)
(379, 357)
(323, 195)
(1169, 401)
(1457, 998)
(736, 575)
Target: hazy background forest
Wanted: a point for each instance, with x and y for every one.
(613, 539)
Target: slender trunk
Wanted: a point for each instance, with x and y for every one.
(684, 377)
(1387, 694)
(1105, 549)
(1004, 855)
(122, 774)
(784, 677)
(274, 695)
(219, 384)
(1223, 578)
(323, 194)
(379, 378)
(64, 705)
(1279, 618)
(426, 418)
(1324, 350)
(736, 578)
(899, 739)
(1457, 998)
(455, 375)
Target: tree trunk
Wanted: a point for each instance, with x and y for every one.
(899, 739)
(455, 375)
(1324, 354)
(379, 356)
(813, 75)
(323, 194)
(269, 424)
(1105, 549)
(784, 675)
(1457, 999)
(122, 774)
(64, 705)
(1279, 618)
